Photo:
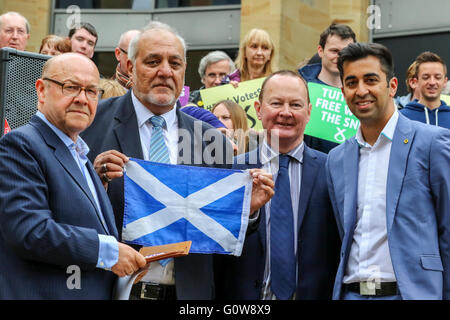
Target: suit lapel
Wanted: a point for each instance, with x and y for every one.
(126, 129)
(401, 145)
(309, 173)
(106, 209)
(63, 155)
(351, 168)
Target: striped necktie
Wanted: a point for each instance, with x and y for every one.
(158, 148)
(159, 151)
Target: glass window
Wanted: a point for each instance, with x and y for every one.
(193, 3)
(140, 4)
(106, 63)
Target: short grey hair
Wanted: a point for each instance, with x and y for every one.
(213, 57)
(133, 47)
(13, 13)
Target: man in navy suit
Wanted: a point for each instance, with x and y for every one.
(284, 109)
(123, 128)
(58, 239)
(390, 189)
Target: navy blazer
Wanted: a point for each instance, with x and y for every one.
(48, 219)
(417, 207)
(318, 241)
(115, 127)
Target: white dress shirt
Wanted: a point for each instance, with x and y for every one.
(369, 258)
(269, 160)
(157, 273)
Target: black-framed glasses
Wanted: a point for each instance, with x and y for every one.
(124, 51)
(73, 90)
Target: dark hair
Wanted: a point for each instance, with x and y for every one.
(358, 50)
(282, 73)
(341, 30)
(87, 26)
(428, 56)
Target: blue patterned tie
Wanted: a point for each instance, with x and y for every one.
(158, 149)
(282, 256)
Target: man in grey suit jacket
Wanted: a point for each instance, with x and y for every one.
(390, 190)
(122, 129)
(55, 217)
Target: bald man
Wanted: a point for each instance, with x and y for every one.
(121, 53)
(57, 230)
(14, 31)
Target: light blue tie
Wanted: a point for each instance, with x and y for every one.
(282, 255)
(159, 151)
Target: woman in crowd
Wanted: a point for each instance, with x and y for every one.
(235, 119)
(111, 88)
(255, 58)
(53, 45)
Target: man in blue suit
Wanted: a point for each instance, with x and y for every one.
(390, 190)
(57, 230)
(310, 262)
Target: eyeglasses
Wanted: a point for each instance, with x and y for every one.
(213, 76)
(124, 51)
(73, 90)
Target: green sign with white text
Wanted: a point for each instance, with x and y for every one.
(331, 119)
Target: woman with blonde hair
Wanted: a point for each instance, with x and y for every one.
(235, 119)
(111, 88)
(255, 58)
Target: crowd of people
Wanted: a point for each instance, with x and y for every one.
(368, 219)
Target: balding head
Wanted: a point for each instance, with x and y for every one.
(14, 31)
(121, 51)
(68, 92)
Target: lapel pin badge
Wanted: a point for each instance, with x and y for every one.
(405, 141)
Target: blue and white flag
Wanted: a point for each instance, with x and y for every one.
(167, 203)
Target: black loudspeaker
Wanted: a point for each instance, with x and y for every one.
(19, 71)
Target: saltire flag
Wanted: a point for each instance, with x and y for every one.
(167, 203)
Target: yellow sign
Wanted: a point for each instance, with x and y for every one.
(445, 98)
(244, 95)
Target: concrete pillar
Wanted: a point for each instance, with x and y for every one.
(295, 25)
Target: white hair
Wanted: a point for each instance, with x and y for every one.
(213, 57)
(133, 47)
(13, 13)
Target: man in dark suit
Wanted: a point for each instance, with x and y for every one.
(57, 231)
(124, 128)
(308, 267)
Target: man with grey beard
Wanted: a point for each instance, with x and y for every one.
(124, 127)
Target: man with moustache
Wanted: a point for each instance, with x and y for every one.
(390, 190)
(55, 216)
(124, 127)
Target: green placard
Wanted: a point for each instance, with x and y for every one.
(331, 119)
(244, 95)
